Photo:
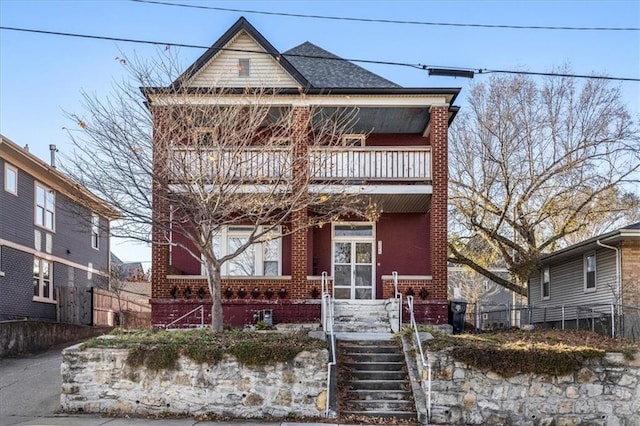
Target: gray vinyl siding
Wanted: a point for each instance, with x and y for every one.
(70, 241)
(567, 288)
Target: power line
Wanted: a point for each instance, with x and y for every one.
(391, 21)
(367, 61)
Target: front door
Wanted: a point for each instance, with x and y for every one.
(353, 258)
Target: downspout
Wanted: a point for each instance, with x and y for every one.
(618, 283)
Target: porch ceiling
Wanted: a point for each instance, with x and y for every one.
(386, 119)
(389, 198)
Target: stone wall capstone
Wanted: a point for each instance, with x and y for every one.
(100, 381)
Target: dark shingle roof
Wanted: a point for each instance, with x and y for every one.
(633, 226)
(339, 73)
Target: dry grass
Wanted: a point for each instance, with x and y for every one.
(540, 351)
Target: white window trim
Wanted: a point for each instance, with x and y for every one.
(95, 231)
(46, 207)
(349, 138)
(595, 272)
(9, 167)
(542, 282)
(224, 235)
(40, 298)
(1, 271)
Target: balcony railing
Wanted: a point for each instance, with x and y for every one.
(325, 164)
(371, 163)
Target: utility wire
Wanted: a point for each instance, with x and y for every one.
(367, 61)
(391, 21)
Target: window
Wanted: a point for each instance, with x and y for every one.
(45, 206)
(353, 140)
(545, 284)
(43, 280)
(1, 271)
(10, 179)
(95, 231)
(262, 258)
(244, 69)
(590, 272)
(206, 136)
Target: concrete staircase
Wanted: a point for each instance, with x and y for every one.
(365, 316)
(373, 381)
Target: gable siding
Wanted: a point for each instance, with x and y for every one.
(222, 69)
(567, 287)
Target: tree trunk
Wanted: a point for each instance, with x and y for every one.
(214, 281)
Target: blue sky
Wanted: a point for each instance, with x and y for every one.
(42, 75)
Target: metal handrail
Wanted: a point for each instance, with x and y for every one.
(201, 308)
(397, 295)
(426, 363)
(327, 325)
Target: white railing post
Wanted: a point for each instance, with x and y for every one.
(398, 296)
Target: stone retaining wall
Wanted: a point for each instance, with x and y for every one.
(605, 392)
(99, 381)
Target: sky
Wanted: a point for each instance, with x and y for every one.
(42, 76)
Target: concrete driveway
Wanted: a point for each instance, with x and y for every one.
(30, 386)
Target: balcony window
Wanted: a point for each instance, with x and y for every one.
(353, 140)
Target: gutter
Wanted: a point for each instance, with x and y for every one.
(618, 283)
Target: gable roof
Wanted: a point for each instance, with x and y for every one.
(323, 69)
(629, 232)
(310, 66)
(52, 177)
(241, 25)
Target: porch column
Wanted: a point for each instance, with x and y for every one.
(439, 123)
(299, 243)
(160, 213)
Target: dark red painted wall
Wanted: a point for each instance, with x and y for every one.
(392, 139)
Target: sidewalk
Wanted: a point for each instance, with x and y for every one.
(97, 420)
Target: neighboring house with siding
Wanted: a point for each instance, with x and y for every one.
(400, 141)
(589, 281)
(54, 236)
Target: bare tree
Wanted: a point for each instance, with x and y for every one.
(210, 157)
(532, 164)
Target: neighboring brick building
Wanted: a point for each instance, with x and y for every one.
(54, 236)
(401, 139)
(591, 278)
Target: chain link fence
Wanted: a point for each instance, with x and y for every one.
(606, 319)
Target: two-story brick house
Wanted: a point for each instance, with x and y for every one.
(54, 235)
(399, 160)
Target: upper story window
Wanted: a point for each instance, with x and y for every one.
(95, 231)
(205, 136)
(45, 207)
(545, 283)
(590, 271)
(43, 280)
(10, 179)
(244, 67)
(353, 140)
(262, 258)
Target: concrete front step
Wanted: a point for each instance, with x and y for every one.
(373, 394)
(392, 385)
(381, 414)
(375, 380)
(388, 405)
(361, 316)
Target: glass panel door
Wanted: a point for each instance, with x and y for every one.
(353, 269)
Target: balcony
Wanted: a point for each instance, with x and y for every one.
(339, 165)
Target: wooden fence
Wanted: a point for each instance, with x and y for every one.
(105, 309)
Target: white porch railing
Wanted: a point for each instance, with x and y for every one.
(327, 325)
(324, 164)
(371, 163)
(242, 163)
(199, 308)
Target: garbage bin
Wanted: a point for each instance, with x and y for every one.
(457, 311)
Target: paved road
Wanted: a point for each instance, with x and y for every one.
(30, 385)
(30, 396)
